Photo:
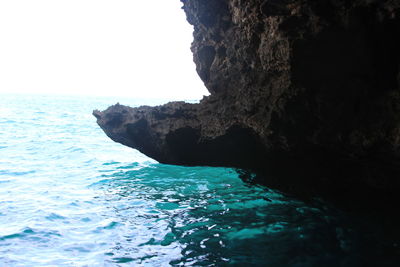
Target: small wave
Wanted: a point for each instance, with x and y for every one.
(109, 226)
(77, 249)
(32, 235)
(27, 231)
(74, 204)
(8, 121)
(86, 219)
(54, 216)
(16, 173)
(167, 206)
(123, 260)
(75, 149)
(129, 166)
(110, 163)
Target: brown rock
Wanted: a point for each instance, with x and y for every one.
(304, 92)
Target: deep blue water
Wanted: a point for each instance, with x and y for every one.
(69, 196)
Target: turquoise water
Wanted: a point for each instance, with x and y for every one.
(69, 196)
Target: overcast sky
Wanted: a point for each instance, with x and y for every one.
(137, 48)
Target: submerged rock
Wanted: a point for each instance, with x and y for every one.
(304, 92)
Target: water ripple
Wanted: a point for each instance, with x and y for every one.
(69, 196)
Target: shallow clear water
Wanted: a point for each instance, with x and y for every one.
(69, 196)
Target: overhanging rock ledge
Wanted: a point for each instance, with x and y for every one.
(305, 92)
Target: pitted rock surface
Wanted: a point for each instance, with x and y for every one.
(305, 92)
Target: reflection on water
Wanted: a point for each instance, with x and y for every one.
(190, 216)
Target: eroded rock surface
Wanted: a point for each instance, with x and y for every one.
(306, 92)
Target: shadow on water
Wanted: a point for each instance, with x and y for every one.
(209, 217)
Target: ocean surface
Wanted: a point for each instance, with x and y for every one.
(70, 196)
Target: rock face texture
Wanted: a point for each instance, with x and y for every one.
(306, 93)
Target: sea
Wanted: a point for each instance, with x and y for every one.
(70, 196)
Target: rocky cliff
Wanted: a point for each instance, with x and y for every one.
(305, 93)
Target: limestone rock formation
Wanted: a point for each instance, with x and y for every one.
(305, 92)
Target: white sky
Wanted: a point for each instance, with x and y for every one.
(137, 48)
